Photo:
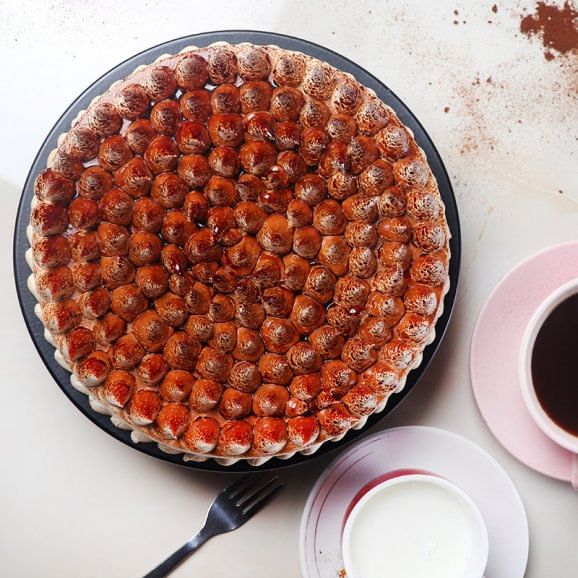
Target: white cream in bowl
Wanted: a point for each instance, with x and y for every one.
(415, 526)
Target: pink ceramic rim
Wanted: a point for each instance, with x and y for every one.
(379, 480)
(549, 458)
(479, 560)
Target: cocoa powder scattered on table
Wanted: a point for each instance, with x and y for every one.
(557, 26)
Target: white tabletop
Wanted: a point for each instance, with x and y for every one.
(76, 503)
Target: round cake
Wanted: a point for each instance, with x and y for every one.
(239, 252)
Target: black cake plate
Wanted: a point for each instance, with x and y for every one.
(21, 244)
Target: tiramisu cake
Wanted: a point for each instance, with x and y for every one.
(239, 252)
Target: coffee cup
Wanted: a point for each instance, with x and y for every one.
(411, 523)
(535, 367)
(528, 366)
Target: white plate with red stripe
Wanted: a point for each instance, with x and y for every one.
(423, 448)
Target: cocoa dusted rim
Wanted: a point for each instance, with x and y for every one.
(240, 251)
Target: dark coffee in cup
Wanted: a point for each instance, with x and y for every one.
(555, 365)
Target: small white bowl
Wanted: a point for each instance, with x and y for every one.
(542, 419)
(479, 554)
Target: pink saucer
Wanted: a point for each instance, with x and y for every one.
(494, 357)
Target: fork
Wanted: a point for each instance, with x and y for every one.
(234, 505)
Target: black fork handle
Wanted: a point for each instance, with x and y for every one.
(175, 559)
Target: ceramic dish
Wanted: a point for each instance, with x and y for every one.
(494, 358)
(262, 38)
(428, 449)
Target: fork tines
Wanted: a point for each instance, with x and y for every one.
(250, 493)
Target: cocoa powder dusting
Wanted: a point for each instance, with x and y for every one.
(557, 26)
